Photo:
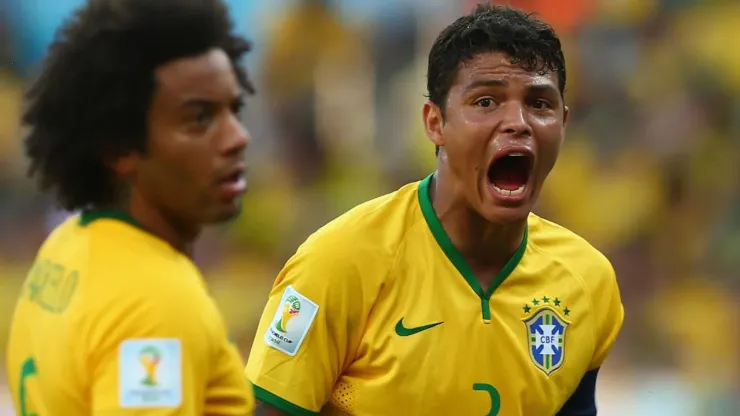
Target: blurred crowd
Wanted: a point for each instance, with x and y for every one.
(649, 173)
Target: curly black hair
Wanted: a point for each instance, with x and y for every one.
(90, 101)
(531, 43)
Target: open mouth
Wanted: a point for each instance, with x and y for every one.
(509, 174)
(234, 177)
(233, 184)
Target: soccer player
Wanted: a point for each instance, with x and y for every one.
(134, 122)
(448, 296)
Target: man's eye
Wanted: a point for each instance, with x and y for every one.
(541, 105)
(485, 102)
(202, 118)
(237, 107)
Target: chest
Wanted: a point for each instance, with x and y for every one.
(429, 348)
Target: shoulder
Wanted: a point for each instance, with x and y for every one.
(117, 242)
(573, 252)
(136, 301)
(368, 235)
(115, 263)
(133, 276)
(595, 273)
(128, 285)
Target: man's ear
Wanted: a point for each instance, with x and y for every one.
(124, 166)
(434, 123)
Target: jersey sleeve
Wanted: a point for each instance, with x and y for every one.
(163, 350)
(309, 330)
(583, 401)
(225, 393)
(609, 316)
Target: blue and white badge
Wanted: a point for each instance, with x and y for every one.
(294, 316)
(150, 373)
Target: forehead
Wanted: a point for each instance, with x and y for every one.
(205, 76)
(497, 66)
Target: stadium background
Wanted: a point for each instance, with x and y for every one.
(649, 172)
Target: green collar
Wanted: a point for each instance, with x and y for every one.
(457, 259)
(88, 216)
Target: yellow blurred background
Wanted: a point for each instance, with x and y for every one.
(650, 172)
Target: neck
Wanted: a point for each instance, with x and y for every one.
(484, 245)
(177, 234)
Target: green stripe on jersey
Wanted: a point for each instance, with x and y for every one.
(457, 259)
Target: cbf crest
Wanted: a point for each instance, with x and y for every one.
(546, 331)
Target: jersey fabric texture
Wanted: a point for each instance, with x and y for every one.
(397, 324)
(113, 321)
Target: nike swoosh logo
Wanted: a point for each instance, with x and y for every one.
(405, 332)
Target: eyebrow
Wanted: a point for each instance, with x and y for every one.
(543, 89)
(486, 83)
(532, 88)
(203, 102)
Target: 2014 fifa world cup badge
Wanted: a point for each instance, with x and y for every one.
(150, 373)
(547, 325)
(293, 319)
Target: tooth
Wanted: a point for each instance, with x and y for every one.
(507, 192)
(517, 191)
(516, 154)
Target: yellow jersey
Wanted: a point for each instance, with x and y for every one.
(114, 321)
(378, 314)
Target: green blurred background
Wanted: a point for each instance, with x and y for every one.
(649, 172)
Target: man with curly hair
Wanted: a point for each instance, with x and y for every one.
(134, 122)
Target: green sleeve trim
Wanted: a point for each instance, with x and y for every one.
(280, 403)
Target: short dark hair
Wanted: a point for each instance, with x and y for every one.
(91, 99)
(529, 42)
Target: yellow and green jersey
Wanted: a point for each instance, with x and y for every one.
(113, 321)
(378, 314)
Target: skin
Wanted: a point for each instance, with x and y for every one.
(195, 140)
(491, 106)
(264, 409)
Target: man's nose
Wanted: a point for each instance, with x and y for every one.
(235, 137)
(514, 121)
